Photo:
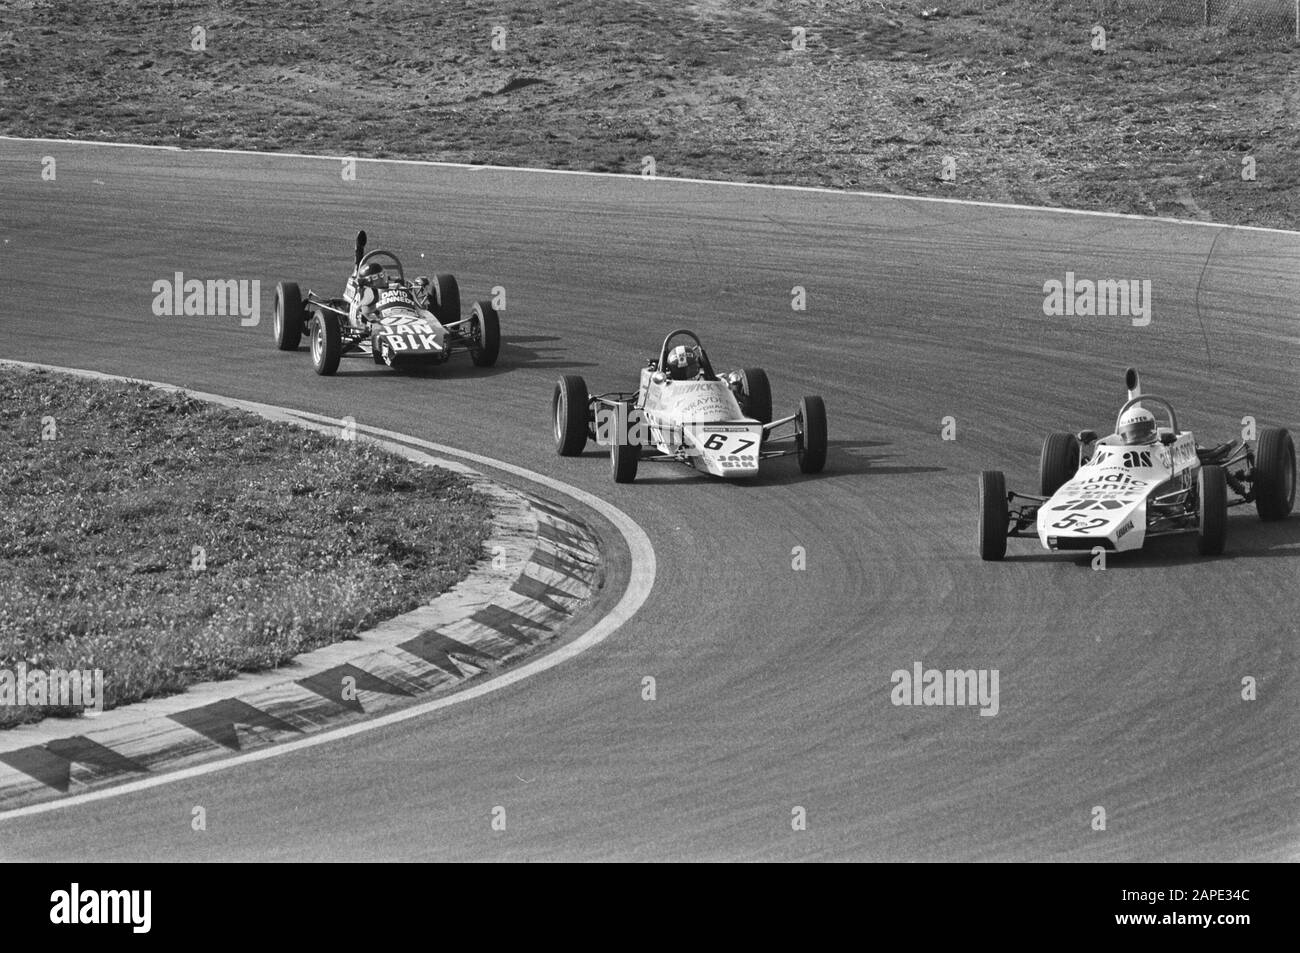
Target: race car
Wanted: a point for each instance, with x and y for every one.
(1141, 482)
(384, 316)
(683, 411)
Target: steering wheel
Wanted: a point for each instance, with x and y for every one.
(380, 253)
(1150, 398)
(704, 358)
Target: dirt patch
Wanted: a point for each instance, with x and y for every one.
(881, 95)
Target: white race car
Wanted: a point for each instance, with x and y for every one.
(684, 411)
(1142, 481)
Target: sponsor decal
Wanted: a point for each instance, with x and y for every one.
(412, 342)
(1184, 451)
(1094, 503)
(1110, 478)
(395, 296)
(1123, 530)
(412, 324)
(1123, 494)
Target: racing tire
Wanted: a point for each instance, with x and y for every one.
(1212, 510)
(623, 458)
(287, 323)
(1274, 477)
(993, 515)
(445, 299)
(569, 406)
(376, 352)
(757, 394)
(810, 441)
(1058, 462)
(487, 334)
(326, 342)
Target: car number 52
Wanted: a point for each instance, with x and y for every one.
(1078, 521)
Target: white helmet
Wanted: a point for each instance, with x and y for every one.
(1138, 425)
(683, 363)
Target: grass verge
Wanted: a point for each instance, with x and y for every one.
(168, 541)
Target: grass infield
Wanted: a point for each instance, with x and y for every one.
(168, 541)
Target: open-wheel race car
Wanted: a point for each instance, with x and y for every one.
(1141, 482)
(684, 411)
(385, 317)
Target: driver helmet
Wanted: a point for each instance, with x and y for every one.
(1138, 425)
(373, 275)
(683, 363)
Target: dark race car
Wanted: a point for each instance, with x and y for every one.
(384, 316)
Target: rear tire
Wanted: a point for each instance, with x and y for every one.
(993, 515)
(623, 458)
(287, 322)
(326, 342)
(757, 393)
(569, 408)
(487, 334)
(1212, 510)
(1274, 482)
(810, 442)
(1058, 462)
(444, 299)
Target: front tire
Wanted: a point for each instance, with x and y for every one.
(569, 406)
(326, 343)
(287, 322)
(1212, 510)
(444, 299)
(623, 458)
(993, 515)
(487, 334)
(1274, 481)
(757, 394)
(1058, 462)
(810, 441)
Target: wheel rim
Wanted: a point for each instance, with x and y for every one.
(559, 408)
(279, 318)
(318, 341)
(1288, 479)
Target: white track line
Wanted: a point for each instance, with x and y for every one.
(668, 178)
(641, 581)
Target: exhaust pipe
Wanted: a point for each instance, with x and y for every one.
(1132, 383)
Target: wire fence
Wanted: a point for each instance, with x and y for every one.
(1274, 18)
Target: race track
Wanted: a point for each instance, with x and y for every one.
(1118, 689)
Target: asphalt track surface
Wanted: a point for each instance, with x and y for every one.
(1118, 689)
